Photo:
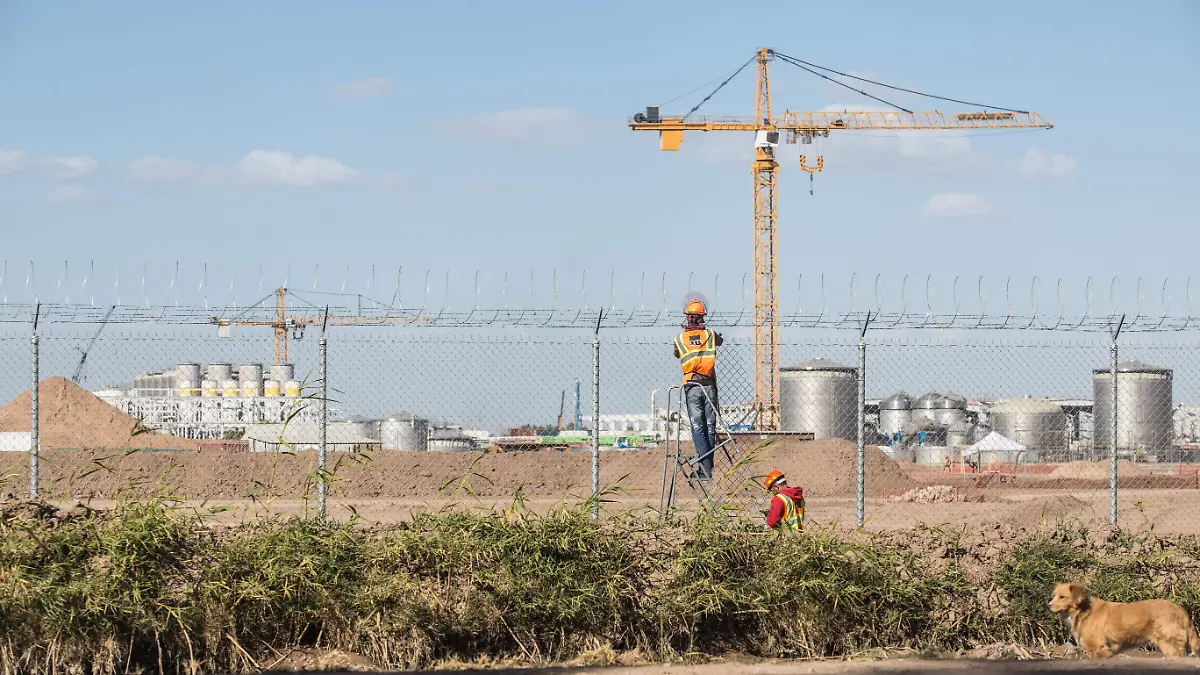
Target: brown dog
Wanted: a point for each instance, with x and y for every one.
(1107, 628)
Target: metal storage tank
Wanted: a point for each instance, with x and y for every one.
(931, 455)
(894, 412)
(250, 375)
(188, 372)
(219, 372)
(951, 409)
(820, 397)
(291, 389)
(208, 388)
(270, 388)
(404, 431)
(188, 388)
(1037, 424)
(960, 433)
(1144, 406)
(282, 372)
(926, 407)
(229, 388)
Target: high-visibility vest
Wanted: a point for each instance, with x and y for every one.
(697, 353)
(793, 513)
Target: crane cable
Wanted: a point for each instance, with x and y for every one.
(797, 62)
(719, 86)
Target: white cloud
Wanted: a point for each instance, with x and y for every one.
(1040, 163)
(959, 205)
(521, 126)
(72, 166)
(152, 169)
(13, 161)
(376, 86)
(274, 167)
(65, 195)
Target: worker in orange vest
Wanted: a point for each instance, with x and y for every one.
(787, 503)
(696, 349)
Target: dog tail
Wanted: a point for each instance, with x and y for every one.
(1193, 641)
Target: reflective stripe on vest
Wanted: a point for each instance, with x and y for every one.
(793, 516)
(697, 353)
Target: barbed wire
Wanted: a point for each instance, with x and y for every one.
(916, 305)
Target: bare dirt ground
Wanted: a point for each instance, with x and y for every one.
(88, 455)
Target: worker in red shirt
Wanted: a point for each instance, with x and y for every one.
(787, 503)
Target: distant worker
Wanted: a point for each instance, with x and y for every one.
(696, 349)
(787, 503)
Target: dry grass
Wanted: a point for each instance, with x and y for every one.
(153, 587)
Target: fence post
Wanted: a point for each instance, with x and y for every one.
(861, 491)
(324, 366)
(34, 440)
(596, 419)
(1112, 438)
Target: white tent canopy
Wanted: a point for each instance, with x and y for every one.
(994, 442)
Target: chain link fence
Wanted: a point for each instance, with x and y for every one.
(952, 427)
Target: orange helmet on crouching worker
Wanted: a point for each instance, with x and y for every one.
(695, 307)
(773, 478)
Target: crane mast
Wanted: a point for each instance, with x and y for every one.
(766, 256)
(802, 126)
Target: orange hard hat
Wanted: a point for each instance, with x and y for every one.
(695, 307)
(773, 478)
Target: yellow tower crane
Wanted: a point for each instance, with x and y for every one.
(282, 323)
(802, 126)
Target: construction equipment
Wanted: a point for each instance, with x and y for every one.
(282, 323)
(732, 487)
(562, 404)
(802, 126)
(78, 376)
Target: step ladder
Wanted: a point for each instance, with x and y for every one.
(732, 487)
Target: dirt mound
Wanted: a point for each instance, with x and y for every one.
(71, 417)
(1099, 469)
(932, 494)
(1046, 511)
(828, 468)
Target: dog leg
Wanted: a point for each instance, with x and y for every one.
(1172, 648)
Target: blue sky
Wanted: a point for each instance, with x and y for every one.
(491, 136)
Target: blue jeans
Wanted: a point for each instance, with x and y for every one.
(702, 413)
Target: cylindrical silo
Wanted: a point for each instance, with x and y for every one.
(951, 409)
(219, 372)
(1037, 424)
(894, 412)
(229, 388)
(291, 389)
(188, 377)
(250, 376)
(926, 407)
(404, 431)
(820, 397)
(1144, 407)
(960, 433)
(282, 372)
(208, 388)
(270, 388)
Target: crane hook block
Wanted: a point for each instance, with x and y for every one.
(812, 169)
